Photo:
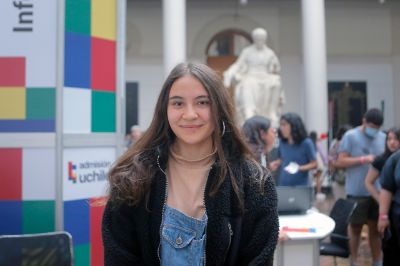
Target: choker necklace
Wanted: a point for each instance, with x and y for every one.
(192, 160)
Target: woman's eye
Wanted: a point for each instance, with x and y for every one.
(204, 102)
(178, 104)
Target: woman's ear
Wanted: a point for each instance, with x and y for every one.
(262, 133)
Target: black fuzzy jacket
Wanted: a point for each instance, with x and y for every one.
(131, 235)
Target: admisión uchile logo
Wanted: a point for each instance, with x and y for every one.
(88, 172)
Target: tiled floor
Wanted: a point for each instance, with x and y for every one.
(364, 258)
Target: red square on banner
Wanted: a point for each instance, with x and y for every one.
(10, 174)
(96, 243)
(103, 64)
(12, 71)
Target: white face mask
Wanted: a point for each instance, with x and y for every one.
(371, 132)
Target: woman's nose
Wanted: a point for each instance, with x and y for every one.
(190, 112)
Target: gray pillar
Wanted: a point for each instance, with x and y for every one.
(120, 74)
(59, 203)
(314, 60)
(174, 33)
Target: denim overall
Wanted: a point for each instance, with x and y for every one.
(183, 239)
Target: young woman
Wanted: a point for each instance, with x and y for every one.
(260, 136)
(296, 152)
(189, 192)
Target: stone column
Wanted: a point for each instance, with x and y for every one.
(314, 61)
(174, 30)
(396, 62)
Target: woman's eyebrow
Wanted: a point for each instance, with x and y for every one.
(175, 97)
(198, 97)
(203, 96)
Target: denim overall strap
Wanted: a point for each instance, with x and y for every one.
(182, 239)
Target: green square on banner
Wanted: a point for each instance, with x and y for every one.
(40, 103)
(103, 111)
(81, 255)
(77, 16)
(38, 216)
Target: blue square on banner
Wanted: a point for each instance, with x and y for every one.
(11, 217)
(77, 60)
(77, 219)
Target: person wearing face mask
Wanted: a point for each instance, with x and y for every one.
(357, 151)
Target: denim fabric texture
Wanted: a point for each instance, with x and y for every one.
(183, 239)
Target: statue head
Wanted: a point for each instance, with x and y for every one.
(259, 36)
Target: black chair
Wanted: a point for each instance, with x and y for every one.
(339, 241)
(45, 249)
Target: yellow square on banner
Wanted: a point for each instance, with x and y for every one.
(12, 103)
(103, 22)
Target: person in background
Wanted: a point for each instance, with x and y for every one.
(392, 145)
(389, 209)
(190, 191)
(260, 136)
(322, 163)
(337, 174)
(296, 152)
(357, 151)
(135, 134)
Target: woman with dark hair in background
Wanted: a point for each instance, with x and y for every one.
(296, 152)
(260, 136)
(392, 145)
(189, 191)
(374, 171)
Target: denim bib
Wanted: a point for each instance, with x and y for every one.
(183, 239)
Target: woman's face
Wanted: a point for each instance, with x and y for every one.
(285, 128)
(189, 112)
(392, 142)
(268, 137)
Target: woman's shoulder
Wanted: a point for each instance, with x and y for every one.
(307, 141)
(257, 180)
(123, 208)
(383, 157)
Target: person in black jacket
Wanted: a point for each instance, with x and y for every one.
(190, 167)
(389, 209)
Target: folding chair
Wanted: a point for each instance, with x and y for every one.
(45, 249)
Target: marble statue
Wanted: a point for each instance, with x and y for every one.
(255, 77)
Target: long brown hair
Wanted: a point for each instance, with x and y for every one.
(132, 174)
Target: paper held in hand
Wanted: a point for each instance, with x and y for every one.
(292, 168)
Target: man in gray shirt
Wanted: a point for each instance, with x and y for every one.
(358, 149)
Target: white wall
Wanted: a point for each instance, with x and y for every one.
(150, 78)
(377, 72)
(358, 31)
(363, 43)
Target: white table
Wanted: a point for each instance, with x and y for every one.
(302, 248)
